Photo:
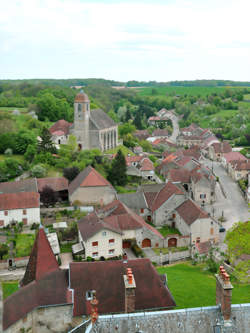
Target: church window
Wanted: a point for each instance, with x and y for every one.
(79, 107)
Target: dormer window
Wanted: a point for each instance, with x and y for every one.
(89, 295)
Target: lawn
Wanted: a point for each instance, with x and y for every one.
(66, 248)
(191, 286)
(166, 230)
(9, 288)
(24, 243)
(124, 150)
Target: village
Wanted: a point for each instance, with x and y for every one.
(179, 208)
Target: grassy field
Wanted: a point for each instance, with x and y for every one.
(24, 243)
(10, 109)
(247, 97)
(194, 91)
(191, 286)
(20, 158)
(9, 288)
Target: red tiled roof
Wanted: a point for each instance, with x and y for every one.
(19, 200)
(154, 118)
(58, 133)
(89, 177)
(51, 289)
(60, 125)
(183, 160)
(190, 212)
(162, 196)
(56, 184)
(42, 259)
(131, 159)
(241, 165)
(146, 165)
(234, 156)
(109, 285)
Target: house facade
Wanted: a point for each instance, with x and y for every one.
(91, 188)
(217, 150)
(19, 207)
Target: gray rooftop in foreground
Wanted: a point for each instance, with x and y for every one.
(204, 320)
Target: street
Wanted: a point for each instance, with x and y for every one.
(233, 207)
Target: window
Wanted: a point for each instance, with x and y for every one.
(94, 243)
(111, 252)
(202, 196)
(1, 223)
(104, 233)
(24, 319)
(25, 221)
(95, 254)
(24, 211)
(142, 210)
(89, 295)
(6, 213)
(149, 218)
(212, 222)
(211, 231)
(111, 241)
(198, 240)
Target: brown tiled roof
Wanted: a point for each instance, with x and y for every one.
(183, 160)
(180, 175)
(241, 165)
(146, 165)
(56, 184)
(19, 200)
(162, 196)
(107, 279)
(41, 261)
(222, 147)
(81, 97)
(234, 156)
(51, 289)
(61, 125)
(141, 134)
(190, 212)
(27, 185)
(160, 132)
(89, 177)
(116, 217)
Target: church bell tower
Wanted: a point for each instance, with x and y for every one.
(81, 120)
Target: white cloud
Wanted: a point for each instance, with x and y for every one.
(114, 33)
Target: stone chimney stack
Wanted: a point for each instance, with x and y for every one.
(130, 286)
(224, 293)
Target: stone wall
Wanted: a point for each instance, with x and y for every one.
(170, 257)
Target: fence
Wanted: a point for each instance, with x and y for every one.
(82, 328)
(170, 257)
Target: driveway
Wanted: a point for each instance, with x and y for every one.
(233, 206)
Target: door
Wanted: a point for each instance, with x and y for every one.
(172, 242)
(146, 242)
(126, 244)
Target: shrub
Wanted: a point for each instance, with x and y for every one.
(34, 226)
(8, 152)
(137, 251)
(38, 171)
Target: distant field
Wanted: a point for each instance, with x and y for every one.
(162, 91)
(184, 280)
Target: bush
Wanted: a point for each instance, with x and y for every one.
(137, 251)
(34, 226)
(8, 152)
(38, 171)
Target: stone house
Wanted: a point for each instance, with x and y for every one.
(239, 169)
(140, 166)
(217, 150)
(91, 188)
(19, 207)
(191, 220)
(60, 132)
(189, 141)
(107, 232)
(203, 185)
(48, 292)
(230, 157)
(160, 133)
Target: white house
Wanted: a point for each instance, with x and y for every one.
(19, 207)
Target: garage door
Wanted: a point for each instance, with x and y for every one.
(146, 242)
(172, 242)
(126, 244)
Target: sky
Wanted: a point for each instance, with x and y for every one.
(160, 40)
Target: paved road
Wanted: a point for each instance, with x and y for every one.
(175, 133)
(234, 207)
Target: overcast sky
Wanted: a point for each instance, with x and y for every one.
(159, 40)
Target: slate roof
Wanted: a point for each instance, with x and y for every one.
(41, 261)
(152, 187)
(27, 185)
(89, 177)
(101, 120)
(190, 212)
(20, 200)
(51, 289)
(133, 200)
(56, 184)
(60, 125)
(109, 285)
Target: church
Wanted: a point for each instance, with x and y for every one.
(92, 128)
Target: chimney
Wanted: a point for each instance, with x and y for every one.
(224, 292)
(94, 309)
(130, 286)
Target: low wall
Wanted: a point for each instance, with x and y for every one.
(20, 262)
(170, 257)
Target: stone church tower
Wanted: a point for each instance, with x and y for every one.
(81, 120)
